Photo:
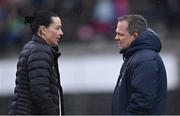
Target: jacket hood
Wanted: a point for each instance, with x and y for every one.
(146, 40)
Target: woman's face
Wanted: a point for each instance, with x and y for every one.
(53, 32)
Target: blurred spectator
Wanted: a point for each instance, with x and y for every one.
(14, 28)
(3, 15)
(3, 2)
(122, 7)
(103, 16)
(42, 4)
(86, 32)
(83, 19)
(172, 14)
(103, 11)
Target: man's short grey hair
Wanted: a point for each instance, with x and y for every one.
(136, 23)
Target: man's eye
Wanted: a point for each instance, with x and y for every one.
(121, 34)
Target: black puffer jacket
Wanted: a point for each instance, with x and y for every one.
(38, 89)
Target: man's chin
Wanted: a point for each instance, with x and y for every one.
(121, 50)
(57, 43)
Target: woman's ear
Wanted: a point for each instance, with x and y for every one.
(42, 30)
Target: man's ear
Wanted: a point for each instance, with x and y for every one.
(135, 35)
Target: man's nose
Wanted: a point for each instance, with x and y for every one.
(116, 38)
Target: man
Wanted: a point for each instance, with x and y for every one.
(38, 89)
(142, 84)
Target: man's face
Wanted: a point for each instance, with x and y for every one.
(123, 38)
(54, 31)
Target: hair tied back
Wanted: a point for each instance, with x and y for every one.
(29, 19)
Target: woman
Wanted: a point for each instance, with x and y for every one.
(38, 89)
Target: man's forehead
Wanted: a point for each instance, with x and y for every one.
(122, 24)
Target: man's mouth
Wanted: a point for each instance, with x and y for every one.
(119, 44)
(58, 40)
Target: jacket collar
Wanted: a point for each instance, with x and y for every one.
(54, 48)
(39, 39)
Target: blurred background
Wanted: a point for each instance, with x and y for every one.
(90, 60)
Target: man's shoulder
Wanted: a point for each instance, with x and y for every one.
(144, 56)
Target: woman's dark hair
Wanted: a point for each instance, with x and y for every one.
(40, 18)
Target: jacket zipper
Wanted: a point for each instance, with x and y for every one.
(59, 103)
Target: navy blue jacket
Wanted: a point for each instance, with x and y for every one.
(142, 84)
